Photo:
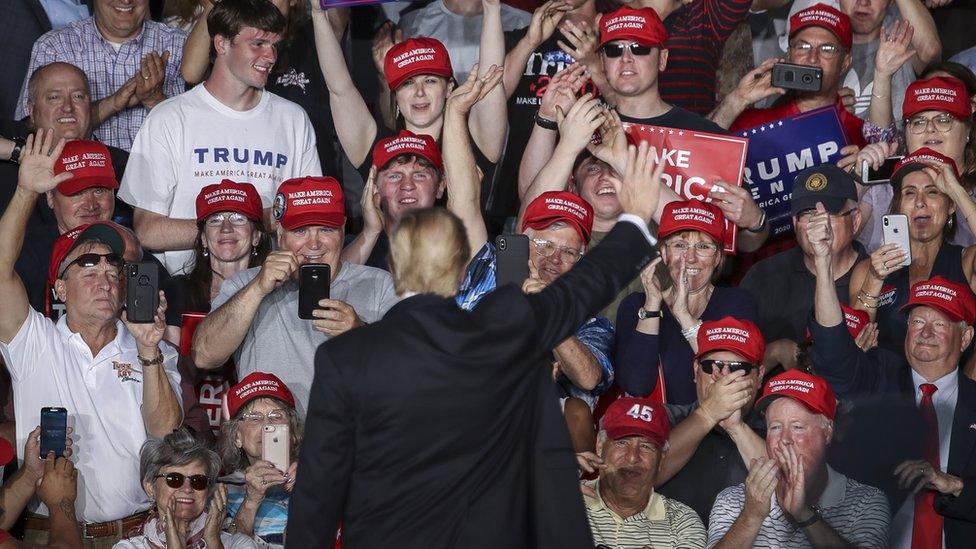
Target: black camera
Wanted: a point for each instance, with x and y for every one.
(797, 77)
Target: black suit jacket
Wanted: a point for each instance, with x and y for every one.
(439, 427)
(23, 22)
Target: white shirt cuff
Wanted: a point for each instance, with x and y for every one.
(631, 218)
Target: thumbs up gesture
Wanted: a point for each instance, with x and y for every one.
(818, 231)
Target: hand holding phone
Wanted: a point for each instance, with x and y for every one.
(54, 431)
(141, 291)
(276, 445)
(314, 280)
(511, 259)
(790, 76)
(894, 229)
(871, 176)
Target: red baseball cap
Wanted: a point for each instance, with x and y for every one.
(416, 56)
(407, 142)
(693, 215)
(229, 196)
(304, 201)
(552, 206)
(255, 385)
(919, 160)
(825, 17)
(104, 232)
(631, 416)
(642, 25)
(939, 93)
(855, 320)
(89, 162)
(811, 390)
(953, 299)
(731, 334)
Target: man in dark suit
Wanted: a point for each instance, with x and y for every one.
(439, 427)
(940, 327)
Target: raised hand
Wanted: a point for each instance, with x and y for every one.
(640, 188)
(652, 290)
(590, 462)
(583, 40)
(612, 147)
(259, 477)
(59, 483)
(152, 76)
(545, 18)
(727, 395)
(576, 126)
(679, 298)
(216, 513)
(819, 232)
(918, 474)
(561, 91)
(148, 335)
(175, 528)
(335, 317)
(894, 48)
(474, 89)
(37, 159)
(278, 268)
(791, 493)
(736, 204)
(760, 484)
(385, 39)
(534, 284)
(868, 338)
(847, 98)
(372, 216)
(756, 84)
(946, 181)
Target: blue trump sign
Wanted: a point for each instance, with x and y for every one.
(778, 150)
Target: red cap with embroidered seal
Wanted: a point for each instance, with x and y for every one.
(552, 206)
(825, 17)
(255, 385)
(692, 215)
(953, 299)
(407, 142)
(939, 93)
(642, 25)
(731, 334)
(630, 416)
(416, 56)
(304, 201)
(810, 390)
(229, 196)
(90, 164)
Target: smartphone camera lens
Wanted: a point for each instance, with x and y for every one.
(133, 270)
(502, 244)
(807, 79)
(886, 222)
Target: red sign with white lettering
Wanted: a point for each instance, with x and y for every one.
(211, 388)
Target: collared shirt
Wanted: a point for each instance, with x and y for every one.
(944, 399)
(52, 366)
(857, 512)
(664, 523)
(62, 12)
(109, 67)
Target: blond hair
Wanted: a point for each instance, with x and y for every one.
(428, 252)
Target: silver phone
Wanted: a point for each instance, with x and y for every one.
(275, 446)
(895, 231)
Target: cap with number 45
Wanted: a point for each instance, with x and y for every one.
(642, 417)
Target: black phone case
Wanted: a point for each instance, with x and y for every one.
(797, 77)
(313, 286)
(511, 259)
(54, 429)
(141, 291)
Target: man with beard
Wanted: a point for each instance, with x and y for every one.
(623, 508)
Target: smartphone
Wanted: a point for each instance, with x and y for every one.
(870, 176)
(894, 229)
(54, 430)
(141, 291)
(797, 77)
(511, 259)
(275, 446)
(313, 286)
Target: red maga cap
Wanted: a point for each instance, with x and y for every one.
(825, 17)
(255, 385)
(304, 201)
(939, 93)
(102, 231)
(89, 162)
(416, 56)
(919, 160)
(630, 416)
(731, 334)
(407, 142)
(692, 215)
(953, 299)
(855, 320)
(229, 196)
(552, 206)
(811, 390)
(642, 25)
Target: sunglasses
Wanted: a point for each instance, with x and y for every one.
(90, 260)
(616, 49)
(733, 365)
(176, 481)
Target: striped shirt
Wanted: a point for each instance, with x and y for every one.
(272, 516)
(857, 512)
(697, 32)
(664, 524)
(108, 67)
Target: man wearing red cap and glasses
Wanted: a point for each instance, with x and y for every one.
(793, 498)
(116, 379)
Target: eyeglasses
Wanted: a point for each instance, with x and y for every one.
(92, 259)
(236, 219)
(827, 51)
(702, 249)
(274, 416)
(804, 216)
(733, 365)
(941, 122)
(546, 248)
(176, 480)
(616, 49)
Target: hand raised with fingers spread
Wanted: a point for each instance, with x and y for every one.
(894, 48)
(545, 18)
(148, 335)
(37, 159)
(216, 513)
(791, 492)
(887, 259)
(736, 204)
(576, 127)
(385, 39)
(372, 216)
(561, 91)
(612, 147)
(760, 484)
(583, 39)
(640, 188)
(474, 89)
(756, 84)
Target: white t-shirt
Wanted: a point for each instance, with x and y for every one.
(193, 140)
(50, 365)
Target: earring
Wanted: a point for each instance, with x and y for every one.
(254, 252)
(206, 252)
(951, 222)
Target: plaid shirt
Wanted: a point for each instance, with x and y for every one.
(81, 44)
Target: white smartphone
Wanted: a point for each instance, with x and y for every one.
(895, 231)
(276, 445)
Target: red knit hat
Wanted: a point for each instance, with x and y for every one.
(825, 17)
(228, 196)
(416, 56)
(552, 206)
(89, 162)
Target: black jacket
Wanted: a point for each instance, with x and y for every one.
(439, 427)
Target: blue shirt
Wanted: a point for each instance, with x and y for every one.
(62, 12)
(272, 515)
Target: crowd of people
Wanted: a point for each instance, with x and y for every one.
(791, 365)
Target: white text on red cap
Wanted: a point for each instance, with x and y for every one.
(723, 333)
(626, 22)
(413, 56)
(798, 385)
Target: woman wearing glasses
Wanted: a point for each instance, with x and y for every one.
(179, 475)
(257, 492)
(657, 328)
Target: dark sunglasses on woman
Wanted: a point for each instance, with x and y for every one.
(734, 365)
(176, 480)
(616, 49)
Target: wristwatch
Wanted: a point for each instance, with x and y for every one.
(544, 122)
(815, 518)
(644, 314)
(762, 224)
(19, 143)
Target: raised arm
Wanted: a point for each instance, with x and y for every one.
(359, 250)
(544, 21)
(196, 52)
(894, 50)
(161, 410)
(753, 87)
(926, 41)
(160, 233)
(488, 122)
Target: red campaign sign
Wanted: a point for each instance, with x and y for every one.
(209, 390)
(694, 161)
